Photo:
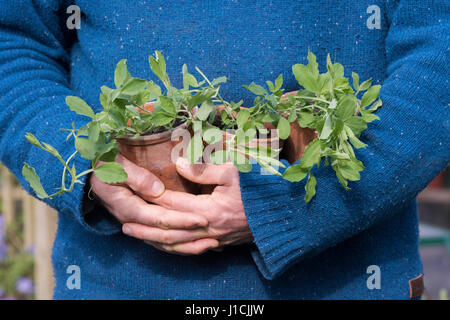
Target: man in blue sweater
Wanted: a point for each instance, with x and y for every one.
(360, 244)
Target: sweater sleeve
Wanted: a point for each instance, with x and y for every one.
(34, 82)
(406, 149)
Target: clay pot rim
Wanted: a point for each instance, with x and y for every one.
(151, 138)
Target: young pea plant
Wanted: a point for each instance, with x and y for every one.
(124, 115)
(218, 115)
(331, 107)
(266, 107)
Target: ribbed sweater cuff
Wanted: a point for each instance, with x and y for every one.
(276, 238)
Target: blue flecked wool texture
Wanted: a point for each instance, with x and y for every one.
(319, 250)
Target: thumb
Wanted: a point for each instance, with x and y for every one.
(206, 173)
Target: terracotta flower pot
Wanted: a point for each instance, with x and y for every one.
(226, 136)
(154, 152)
(267, 141)
(299, 138)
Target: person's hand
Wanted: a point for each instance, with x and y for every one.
(127, 203)
(223, 210)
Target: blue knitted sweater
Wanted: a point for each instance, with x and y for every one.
(319, 250)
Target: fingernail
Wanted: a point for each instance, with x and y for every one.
(157, 188)
(126, 229)
(216, 244)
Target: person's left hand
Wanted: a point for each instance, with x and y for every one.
(223, 209)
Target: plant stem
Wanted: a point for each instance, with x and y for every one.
(84, 173)
(314, 98)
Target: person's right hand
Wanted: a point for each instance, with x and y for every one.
(127, 203)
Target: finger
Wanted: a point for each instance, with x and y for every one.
(183, 201)
(107, 193)
(207, 173)
(162, 236)
(191, 248)
(140, 211)
(128, 207)
(141, 180)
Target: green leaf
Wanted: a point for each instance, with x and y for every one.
(338, 127)
(256, 89)
(269, 162)
(348, 170)
(188, 79)
(218, 81)
(268, 167)
(249, 125)
(326, 129)
(357, 124)
(346, 108)
(243, 167)
(310, 187)
(376, 105)
(370, 96)
(365, 85)
(132, 112)
(33, 179)
(336, 154)
(158, 66)
(79, 106)
(271, 86)
(240, 136)
(154, 90)
(33, 140)
(51, 150)
(311, 155)
(368, 116)
(86, 147)
(278, 82)
(305, 78)
(306, 119)
(167, 105)
(242, 117)
(341, 179)
(355, 78)
(109, 156)
(161, 61)
(93, 131)
(195, 148)
(121, 74)
(204, 111)
(295, 173)
(161, 119)
(292, 117)
(201, 97)
(155, 66)
(353, 139)
(358, 144)
(329, 63)
(312, 65)
(134, 86)
(336, 71)
(284, 128)
(111, 172)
